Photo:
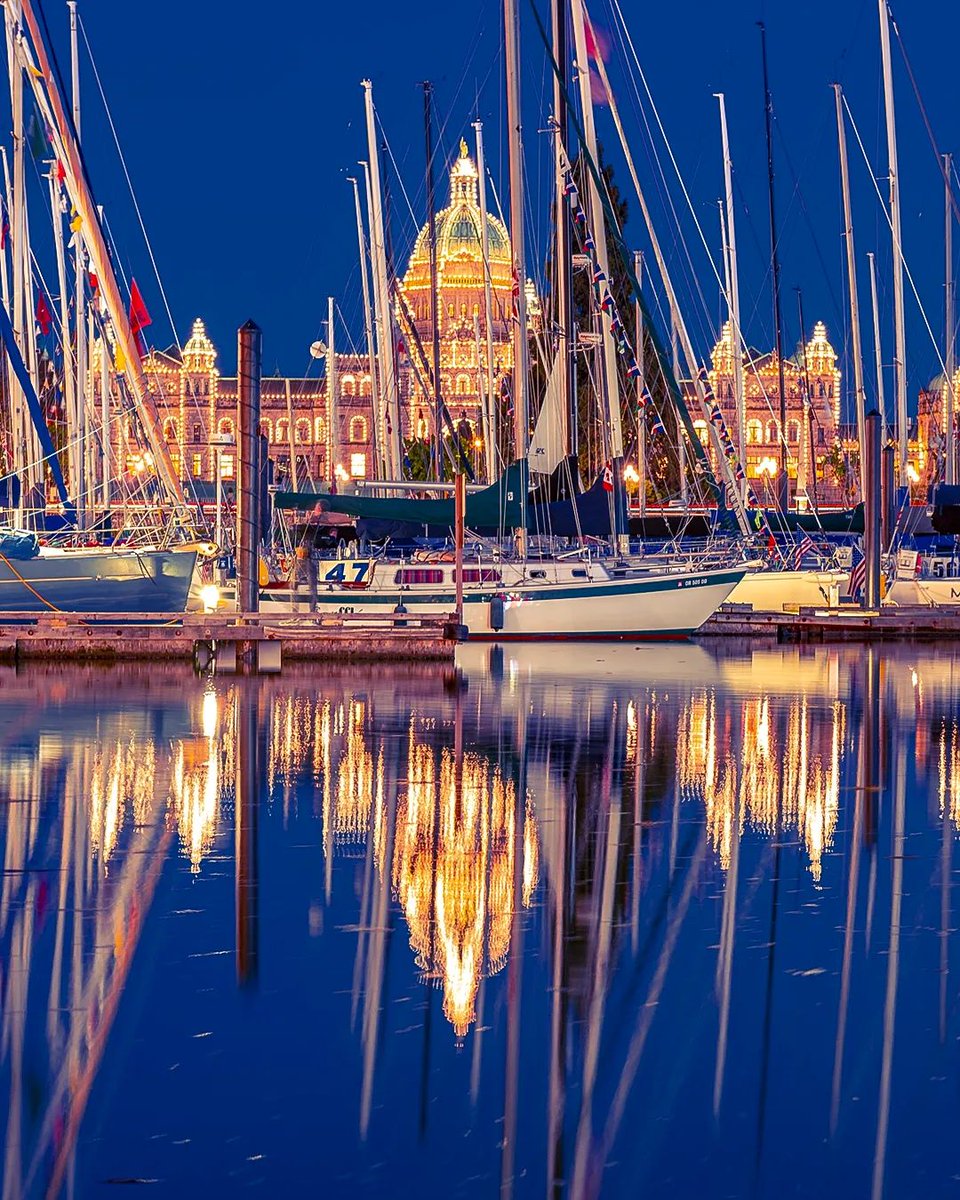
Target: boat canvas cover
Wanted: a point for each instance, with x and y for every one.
(19, 544)
(497, 507)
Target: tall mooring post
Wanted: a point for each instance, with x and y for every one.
(249, 356)
(888, 497)
(871, 512)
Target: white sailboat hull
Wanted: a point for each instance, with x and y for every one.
(780, 591)
(661, 605)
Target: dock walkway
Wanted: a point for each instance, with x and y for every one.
(228, 637)
(844, 624)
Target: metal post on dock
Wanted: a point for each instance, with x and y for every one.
(888, 497)
(871, 511)
(249, 352)
(459, 518)
(245, 829)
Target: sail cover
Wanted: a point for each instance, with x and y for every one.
(548, 445)
(497, 507)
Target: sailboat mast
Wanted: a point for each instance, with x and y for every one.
(85, 491)
(610, 373)
(858, 388)
(491, 435)
(333, 409)
(435, 313)
(562, 260)
(900, 360)
(733, 291)
(641, 385)
(521, 350)
(877, 351)
(950, 368)
(367, 320)
(783, 481)
(381, 294)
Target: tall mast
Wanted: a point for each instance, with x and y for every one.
(598, 223)
(858, 388)
(75, 446)
(733, 290)
(521, 350)
(877, 352)
(949, 451)
(85, 494)
(368, 324)
(783, 482)
(641, 383)
(562, 262)
(333, 409)
(434, 298)
(491, 434)
(900, 359)
(381, 293)
(51, 104)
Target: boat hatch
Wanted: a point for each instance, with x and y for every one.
(410, 575)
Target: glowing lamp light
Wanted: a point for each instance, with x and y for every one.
(631, 474)
(912, 473)
(209, 597)
(341, 473)
(768, 467)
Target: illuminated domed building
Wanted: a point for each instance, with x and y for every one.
(460, 285)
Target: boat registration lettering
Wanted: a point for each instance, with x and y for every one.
(698, 582)
(350, 572)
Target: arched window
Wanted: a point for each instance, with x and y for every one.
(303, 431)
(225, 427)
(349, 385)
(283, 430)
(754, 433)
(365, 386)
(463, 385)
(772, 435)
(170, 430)
(319, 430)
(197, 431)
(423, 429)
(358, 429)
(793, 431)
(476, 310)
(266, 428)
(702, 431)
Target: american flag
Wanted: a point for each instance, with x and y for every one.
(803, 549)
(858, 574)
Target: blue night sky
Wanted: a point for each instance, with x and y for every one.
(240, 131)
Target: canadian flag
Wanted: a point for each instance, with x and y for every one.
(607, 477)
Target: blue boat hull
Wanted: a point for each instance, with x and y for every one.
(98, 580)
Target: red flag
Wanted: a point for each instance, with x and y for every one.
(139, 317)
(4, 230)
(608, 477)
(94, 282)
(61, 173)
(44, 316)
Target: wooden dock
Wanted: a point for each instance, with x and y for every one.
(234, 641)
(844, 624)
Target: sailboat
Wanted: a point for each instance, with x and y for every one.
(35, 576)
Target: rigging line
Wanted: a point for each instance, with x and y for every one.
(923, 113)
(396, 168)
(906, 267)
(126, 173)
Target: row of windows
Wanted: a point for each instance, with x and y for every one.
(358, 466)
(303, 428)
(408, 575)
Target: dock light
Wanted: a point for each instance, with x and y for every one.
(210, 597)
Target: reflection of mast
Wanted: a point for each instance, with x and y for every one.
(893, 971)
(727, 929)
(515, 969)
(869, 736)
(247, 873)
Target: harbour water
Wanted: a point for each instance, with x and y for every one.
(609, 921)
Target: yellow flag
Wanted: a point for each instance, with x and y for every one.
(36, 71)
(76, 223)
(118, 360)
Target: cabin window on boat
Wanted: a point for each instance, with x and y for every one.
(303, 431)
(358, 429)
(478, 575)
(409, 575)
(578, 573)
(538, 574)
(358, 465)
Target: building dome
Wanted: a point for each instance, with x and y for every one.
(198, 352)
(459, 230)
